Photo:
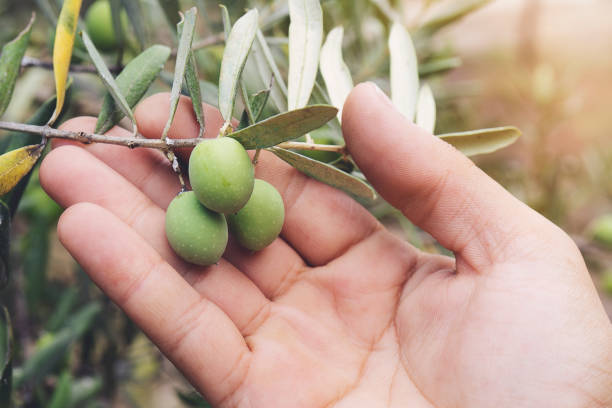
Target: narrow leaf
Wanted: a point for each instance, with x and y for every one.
(261, 57)
(83, 390)
(285, 126)
(482, 141)
(10, 64)
(227, 23)
(16, 164)
(426, 109)
(452, 14)
(305, 38)
(193, 85)
(235, 55)
(109, 81)
(335, 73)
(134, 13)
(62, 50)
(182, 56)
(63, 389)
(326, 174)
(258, 103)
(5, 240)
(438, 66)
(133, 82)
(6, 358)
(404, 71)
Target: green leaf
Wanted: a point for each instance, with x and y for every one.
(10, 64)
(235, 56)
(62, 392)
(47, 357)
(6, 358)
(63, 309)
(184, 51)
(5, 241)
(438, 66)
(133, 82)
(134, 13)
(326, 174)
(192, 399)
(482, 141)
(120, 34)
(193, 85)
(108, 80)
(305, 38)
(404, 71)
(263, 61)
(258, 103)
(83, 390)
(284, 126)
(426, 109)
(453, 13)
(336, 74)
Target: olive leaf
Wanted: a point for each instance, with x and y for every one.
(438, 66)
(336, 74)
(193, 85)
(262, 61)
(5, 239)
(284, 126)
(258, 103)
(326, 173)
(6, 358)
(16, 164)
(133, 82)
(482, 141)
(404, 71)
(62, 51)
(134, 13)
(235, 56)
(451, 14)
(182, 56)
(83, 390)
(48, 11)
(47, 356)
(305, 38)
(108, 80)
(426, 109)
(63, 390)
(10, 64)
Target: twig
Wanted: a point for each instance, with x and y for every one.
(134, 142)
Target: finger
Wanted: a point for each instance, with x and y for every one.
(195, 335)
(435, 186)
(151, 173)
(71, 175)
(320, 223)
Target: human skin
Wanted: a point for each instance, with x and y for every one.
(338, 312)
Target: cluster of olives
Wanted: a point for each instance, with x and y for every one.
(225, 193)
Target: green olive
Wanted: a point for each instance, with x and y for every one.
(221, 174)
(602, 230)
(260, 221)
(196, 234)
(325, 157)
(99, 23)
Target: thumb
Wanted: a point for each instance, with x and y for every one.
(438, 188)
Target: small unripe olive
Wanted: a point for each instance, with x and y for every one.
(197, 234)
(99, 23)
(260, 221)
(221, 174)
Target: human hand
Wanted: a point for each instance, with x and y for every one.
(339, 312)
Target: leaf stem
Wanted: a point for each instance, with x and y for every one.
(140, 141)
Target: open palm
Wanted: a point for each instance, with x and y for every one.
(339, 312)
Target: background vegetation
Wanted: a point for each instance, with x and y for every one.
(501, 65)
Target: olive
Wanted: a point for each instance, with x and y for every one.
(260, 221)
(99, 23)
(221, 174)
(197, 234)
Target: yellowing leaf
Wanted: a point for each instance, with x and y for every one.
(15, 164)
(62, 50)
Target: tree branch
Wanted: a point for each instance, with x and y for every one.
(27, 62)
(134, 142)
